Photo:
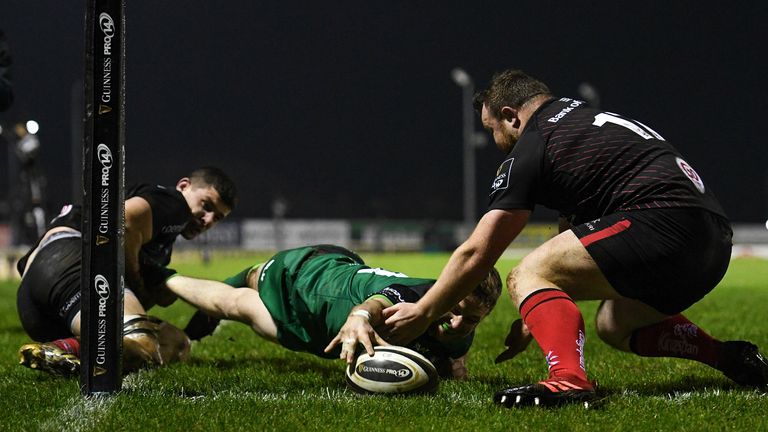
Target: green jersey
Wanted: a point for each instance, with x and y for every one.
(310, 291)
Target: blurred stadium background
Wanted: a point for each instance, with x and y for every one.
(346, 124)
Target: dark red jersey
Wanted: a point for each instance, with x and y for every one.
(587, 163)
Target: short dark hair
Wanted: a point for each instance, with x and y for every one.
(511, 88)
(216, 178)
(489, 290)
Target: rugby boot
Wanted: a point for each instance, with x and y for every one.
(548, 393)
(744, 364)
(49, 358)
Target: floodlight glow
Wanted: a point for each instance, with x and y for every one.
(32, 127)
(461, 77)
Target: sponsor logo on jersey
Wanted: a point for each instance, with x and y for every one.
(563, 112)
(172, 229)
(691, 174)
(591, 225)
(64, 310)
(502, 176)
(392, 294)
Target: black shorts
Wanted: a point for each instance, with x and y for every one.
(49, 294)
(667, 258)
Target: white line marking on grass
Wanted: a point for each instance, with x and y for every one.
(325, 393)
(680, 397)
(82, 414)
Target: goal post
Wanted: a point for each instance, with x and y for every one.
(103, 268)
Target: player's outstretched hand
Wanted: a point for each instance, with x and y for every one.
(357, 330)
(517, 341)
(405, 322)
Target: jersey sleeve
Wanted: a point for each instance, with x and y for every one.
(170, 212)
(514, 186)
(403, 294)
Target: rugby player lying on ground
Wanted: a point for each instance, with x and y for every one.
(48, 300)
(311, 298)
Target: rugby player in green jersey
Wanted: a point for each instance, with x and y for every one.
(314, 298)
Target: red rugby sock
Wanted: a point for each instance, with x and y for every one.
(69, 345)
(676, 337)
(558, 327)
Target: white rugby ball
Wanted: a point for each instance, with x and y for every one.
(393, 370)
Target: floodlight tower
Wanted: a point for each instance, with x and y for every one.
(472, 140)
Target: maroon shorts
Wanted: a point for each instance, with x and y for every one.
(667, 258)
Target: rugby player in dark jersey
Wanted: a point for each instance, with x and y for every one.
(312, 299)
(640, 231)
(48, 297)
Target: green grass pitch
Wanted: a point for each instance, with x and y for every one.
(235, 381)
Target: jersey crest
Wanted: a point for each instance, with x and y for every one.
(691, 174)
(502, 176)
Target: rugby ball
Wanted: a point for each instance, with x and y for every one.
(392, 370)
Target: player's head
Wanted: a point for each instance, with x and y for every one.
(510, 91)
(211, 196)
(468, 313)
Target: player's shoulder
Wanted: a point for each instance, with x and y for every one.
(559, 111)
(164, 202)
(148, 190)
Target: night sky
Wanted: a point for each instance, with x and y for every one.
(347, 109)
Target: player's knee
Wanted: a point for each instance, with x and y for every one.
(513, 279)
(524, 279)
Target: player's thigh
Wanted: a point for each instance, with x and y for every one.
(666, 258)
(49, 294)
(561, 262)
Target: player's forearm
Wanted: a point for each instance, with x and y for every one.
(211, 297)
(472, 261)
(464, 271)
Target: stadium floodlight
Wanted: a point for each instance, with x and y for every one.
(32, 127)
(589, 93)
(464, 80)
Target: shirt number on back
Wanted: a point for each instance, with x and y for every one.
(635, 126)
(382, 272)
